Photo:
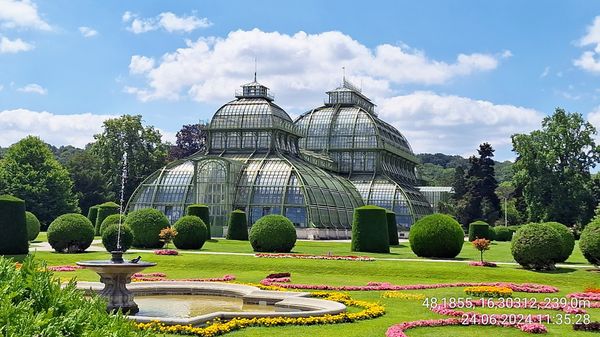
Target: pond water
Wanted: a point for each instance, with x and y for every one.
(185, 306)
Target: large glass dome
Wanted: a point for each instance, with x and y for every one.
(252, 163)
(374, 155)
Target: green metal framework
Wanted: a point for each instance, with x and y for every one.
(371, 153)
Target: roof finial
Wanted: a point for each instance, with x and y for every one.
(254, 68)
(343, 75)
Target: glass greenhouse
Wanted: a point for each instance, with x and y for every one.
(314, 171)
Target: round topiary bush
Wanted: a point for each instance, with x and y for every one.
(110, 237)
(536, 246)
(479, 230)
(112, 219)
(370, 230)
(567, 238)
(273, 234)
(33, 226)
(104, 210)
(237, 227)
(146, 225)
(93, 214)
(503, 233)
(191, 232)
(70, 233)
(13, 240)
(436, 235)
(589, 243)
(392, 228)
(203, 212)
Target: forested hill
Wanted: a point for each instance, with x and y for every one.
(438, 169)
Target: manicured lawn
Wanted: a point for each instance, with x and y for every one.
(252, 269)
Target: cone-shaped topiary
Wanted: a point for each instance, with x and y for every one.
(104, 210)
(146, 225)
(110, 237)
(13, 240)
(392, 228)
(70, 233)
(33, 226)
(503, 233)
(273, 234)
(370, 230)
(567, 238)
(113, 219)
(589, 242)
(203, 212)
(93, 214)
(536, 246)
(479, 230)
(191, 232)
(237, 228)
(436, 235)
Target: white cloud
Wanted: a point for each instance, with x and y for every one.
(1, 87)
(166, 20)
(140, 64)
(300, 67)
(173, 23)
(590, 60)
(454, 124)
(594, 118)
(34, 88)
(545, 72)
(8, 46)
(506, 54)
(76, 130)
(88, 32)
(21, 14)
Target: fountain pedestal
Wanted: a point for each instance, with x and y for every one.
(115, 276)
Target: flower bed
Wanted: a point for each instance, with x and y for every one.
(402, 296)
(589, 327)
(166, 252)
(486, 291)
(64, 268)
(482, 264)
(216, 328)
(316, 257)
(524, 287)
(153, 277)
(593, 290)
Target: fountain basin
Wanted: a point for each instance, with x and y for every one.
(115, 276)
(285, 304)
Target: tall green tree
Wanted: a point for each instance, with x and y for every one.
(29, 171)
(480, 201)
(145, 152)
(89, 182)
(553, 168)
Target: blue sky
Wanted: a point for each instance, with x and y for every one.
(448, 74)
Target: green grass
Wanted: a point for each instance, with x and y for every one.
(252, 269)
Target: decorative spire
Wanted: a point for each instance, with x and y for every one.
(254, 68)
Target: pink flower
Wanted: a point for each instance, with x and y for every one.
(166, 252)
(533, 328)
(316, 257)
(64, 268)
(482, 264)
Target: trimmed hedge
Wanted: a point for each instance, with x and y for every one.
(104, 210)
(273, 233)
(536, 246)
(33, 226)
(110, 236)
(436, 235)
(589, 242)
(567, 239)
(13, 240)
(70, 233)
(112, 219)
(370, 230)
(203, 212)
(146, 225)
(93, 214)
(503, 233)
(191, 232)
(479, 230)
(392, 228)
(237, 227)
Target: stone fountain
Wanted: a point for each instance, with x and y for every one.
(116, 273)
